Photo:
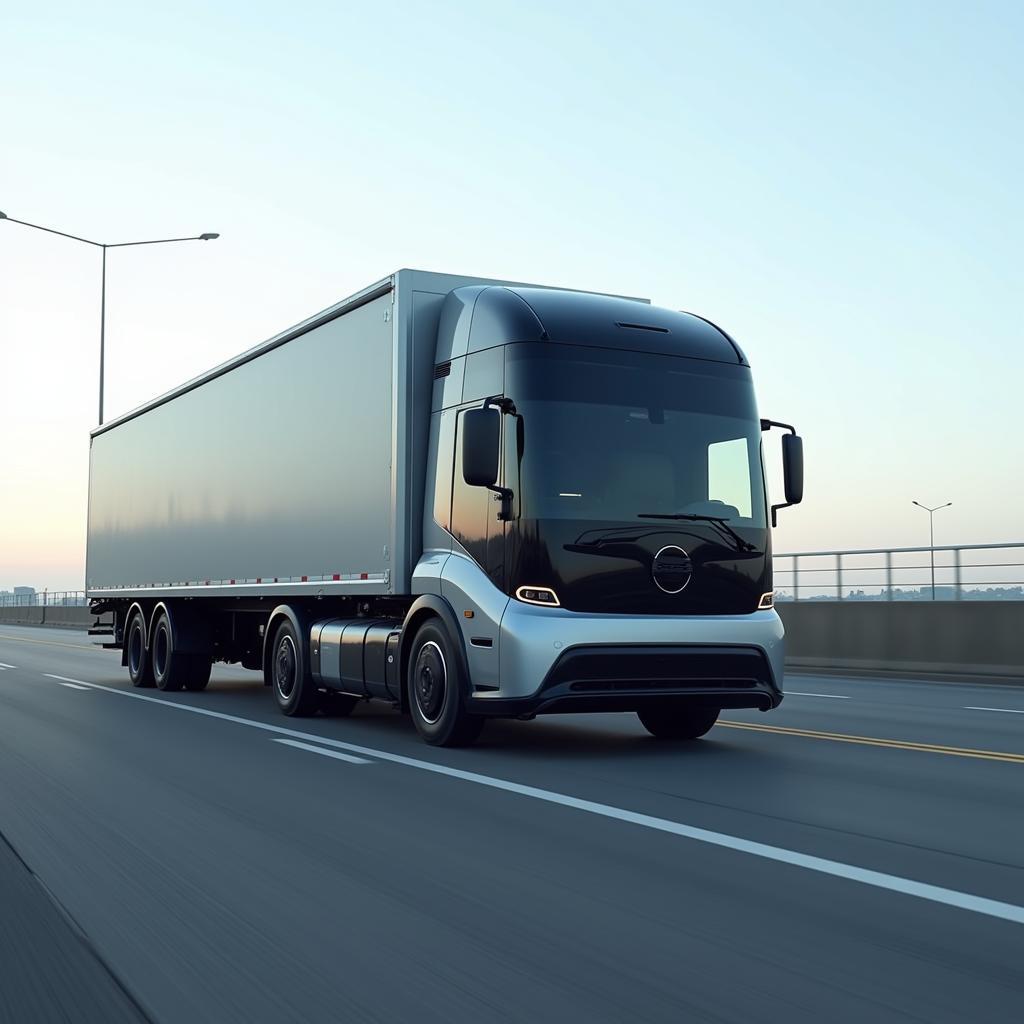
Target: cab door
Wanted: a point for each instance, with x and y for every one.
(473, 579)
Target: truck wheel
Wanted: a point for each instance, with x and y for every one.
(199, 672)
(170, 667)
(675, 722)
(435, 691)
(294, 689)
(140, 669)
(173, 669)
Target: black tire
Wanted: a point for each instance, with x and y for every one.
(140, 668)
(173, 669)
(290, 678)
(677, 721)
(199, 673)
(436, 690)
(337, 705)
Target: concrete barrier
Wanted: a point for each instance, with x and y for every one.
(70, 618)
(954, 639)
(22, 616)
(57, 616)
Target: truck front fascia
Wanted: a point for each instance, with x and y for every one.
(720, 660)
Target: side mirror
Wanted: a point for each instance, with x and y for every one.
(481, 440)
(793, 468)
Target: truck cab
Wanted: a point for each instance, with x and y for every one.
(596, 513)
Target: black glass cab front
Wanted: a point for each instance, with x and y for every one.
(613, 456)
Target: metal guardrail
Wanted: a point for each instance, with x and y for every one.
(45, 599)
(961, 572)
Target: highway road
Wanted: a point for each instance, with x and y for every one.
(857, 855)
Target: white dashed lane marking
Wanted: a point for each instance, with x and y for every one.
(337, 754)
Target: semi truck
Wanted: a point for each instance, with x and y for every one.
(466, 497)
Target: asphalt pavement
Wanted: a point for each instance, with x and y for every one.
(856, 855)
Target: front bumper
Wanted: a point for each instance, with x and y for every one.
(607, 677)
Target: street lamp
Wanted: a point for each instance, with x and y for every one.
(931, 533)
(206, 237)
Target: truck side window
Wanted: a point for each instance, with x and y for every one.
(444, 463)
(485, 375)
(729, 475)
(470, 506)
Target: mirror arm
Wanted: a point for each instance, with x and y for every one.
(502, 404)
(767, 425)
(503, 494)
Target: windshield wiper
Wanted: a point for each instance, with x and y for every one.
(613, 535)
(719, 523)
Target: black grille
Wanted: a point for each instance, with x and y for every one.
(692, 683)
(631, 669)
(442, 370)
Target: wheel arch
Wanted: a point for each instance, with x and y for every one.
(135, 606)
(292, 615)
(429, 606)
(162, 607)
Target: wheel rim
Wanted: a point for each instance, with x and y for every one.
(430, 682)
(135, 649)
(160, 650)
(285, 668)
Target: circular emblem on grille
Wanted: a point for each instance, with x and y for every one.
(672, 569)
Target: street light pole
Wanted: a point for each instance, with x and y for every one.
(103, 325)
(931, 533)
(104, 246)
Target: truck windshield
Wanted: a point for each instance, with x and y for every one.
(608, 434)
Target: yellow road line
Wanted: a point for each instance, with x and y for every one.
(874, 741)
(49, 643)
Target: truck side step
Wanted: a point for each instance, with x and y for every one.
(101, 631)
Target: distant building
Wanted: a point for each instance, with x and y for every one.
(24, 591)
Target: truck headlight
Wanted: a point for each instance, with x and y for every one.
(538, 595)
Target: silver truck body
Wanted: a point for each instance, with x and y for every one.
(294, 468)
(307, 509)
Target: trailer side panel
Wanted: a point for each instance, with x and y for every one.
(279, 469)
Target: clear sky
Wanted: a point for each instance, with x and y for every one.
(836, 184)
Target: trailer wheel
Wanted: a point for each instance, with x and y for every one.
(140, 669)
(294, 689)
(678, 722)
(199, 673)
(174, 669)
(436, 691)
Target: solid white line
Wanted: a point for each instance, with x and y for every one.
(5, 665)
(73, 686)
(1005, 711)
(877, 879)
(321, 750)
(797, 693)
